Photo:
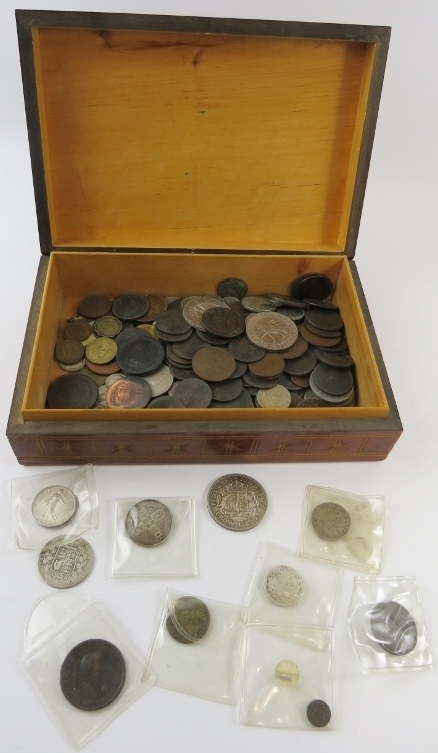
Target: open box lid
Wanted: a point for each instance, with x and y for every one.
(162, 132)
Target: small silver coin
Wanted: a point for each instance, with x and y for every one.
(330, 521)
(394, 628)
(64, 564)
(149, 522)
(54, 506)
(284, 585)
(237, 502)
(72, 367)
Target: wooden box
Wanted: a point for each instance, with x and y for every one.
(169, 153)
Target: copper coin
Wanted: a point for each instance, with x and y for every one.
(302, 365)
(244, 400)
(72, 391)
(140, 356)
(194, 309)
(311, 285)
(239, 370)
(94, 306)
(296, 350)
(340, 347)
(300, 381)
(157, 305)
(311, 402)
(175, 358)
(188, 348)
(323, 319)
(130, 306)
(212, 339)
(77, 329)
(317, 340)
(318, 713)
(166, 401)
(172, 322)
(332, 380)
(339, 400)
(105, 368)
(193, 393)
(69, 351)
(259, 382)
(133, 333)
(322, 332)
(244, 350)
(223, 392)
(273, 332)
(130, 392)
(270, 366)
(232, 286)
(213, 364)
(223, 322)
(93, 674)
(339, 360)
(107, 326)
(179, 373)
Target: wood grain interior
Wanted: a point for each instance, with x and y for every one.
(74, 275)
(178, 140)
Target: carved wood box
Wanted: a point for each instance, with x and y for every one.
(169, 153)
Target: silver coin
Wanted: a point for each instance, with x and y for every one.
(54, 506)
(284, 585)
(275, 397)
(159, 381)
(273, 332)
(193, 310)
(237, 502)
(257, 303)
(62, 565)
(113, 378)
(330, 521)
(73, 366)
(149, 522)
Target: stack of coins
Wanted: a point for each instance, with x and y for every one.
(229, 350)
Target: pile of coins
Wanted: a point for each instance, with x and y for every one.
(229, 350)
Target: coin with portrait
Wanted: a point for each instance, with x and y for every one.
(130, 392)
(93, 674)
(54, 506)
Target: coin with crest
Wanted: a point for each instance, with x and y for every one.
(148, 522)
(271, 331)
(237, 502)
(63, 564)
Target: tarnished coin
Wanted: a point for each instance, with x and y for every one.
(302, 365)
(284, 585)
(69, 351)
(331, 399)
(77, 329)
(180, 373)
(107, 326)
(149, 522)
(258, 303)
(321, 304)
(140, 355)
(224, 392)
(188, 620)
(130, 306)
(394, 628)
(232, 286)
(239, 370)
(132, 333)
(332, 380)
(297, 315)
(339, 360)
(98, 379)
(72, 367)
(189, 347)
(287, 673)
(323, 319)
(244, 350)
(269, 367)
(213, 364)
(300, 381)
(296, 350)
(166, 401)
(72, 391)
(318, 713)
(271, 331)
(172, 322)
(195, 309)
(93, 674)
(322, 332)
(94, 306)
(223, 322)
(193, 393)
(212, 339)
(130, 392)
(244, 400)
(311, 285)
(101, 350)
(157, 305)
(260, 383)
(330, 521)
(275, 397)
(63, 564)
(159, 381)
(237, 502)
(287, 301)
(54, 506)
(112, 367)
(320, 342)
(311, 402)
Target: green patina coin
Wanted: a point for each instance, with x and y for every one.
(188, 620)
(330, 521)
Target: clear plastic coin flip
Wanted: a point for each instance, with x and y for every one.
(196, 647)
(387, 626)
(286, 679)
(154, 537)
(60, 504)
(342, 528)
(82, 664)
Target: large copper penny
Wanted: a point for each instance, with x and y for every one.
(213, 364)
(130, 392)
(271, 331)
(72, 391)
(223, 322)
(270, 366)
(94, 306)
(172, 322)
(77, 329)
(317, 340)
(93, 674)
(157, 305)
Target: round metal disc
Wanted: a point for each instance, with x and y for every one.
(149, 522)
(193, 393)
(94, 306)
(130, 392)
(188, 620)
(330, 521)
(93, 674)
(72, 391)
(213, 364)
(332, 380)
(69, 351)
(130, 306)
(287, 673)
(394, 628)
(284, 585)
(237, 502)
(232, 286)
(54, 506)
(311, 285)
(64, 564)
(140, 355)
(271, 331)
(318, 713)
(223, 322)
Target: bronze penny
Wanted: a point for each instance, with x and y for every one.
(170, 337)
(323, 319)
(340, 347)
(193, 393)
(175, 358)
(72, 391)
(77, 329)
(273, 332)
(239, 370)
(166, 401)
(69, 351)
(311, 285)
(157, 305)
(213, 364)
(107, 326)
(93, 674)
(134, 333)
(259, 382)
(188, 348)
(233, 287)
(317, 340)
(296, 350)
(301, 381)
(94, 306)
(332, 380)
(130, 392)
(101, 350)
(223, 322)
(302, 365)
(130, 306)
(322, 332)
(105, 368)
(223, 392)
(243, 350)
(270, 366)
(179, 373)
(244, 400)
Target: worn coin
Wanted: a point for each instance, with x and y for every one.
(239, 370)
(244, 400)
(318, 713)
(54, 506)
(287, 301)
(132, 333)
(63, 564)
(99, 379)
(174, 358)
(212, 339)
(300, 381)
(157, 305)
(339, 360)
(149, 522)
(284, 585)
(269, 367)
(180, 373)
(213, 364)
(168, 337)
(394, 628)
(72, 367)
(259, 383)
(311, 285)
(193, 393)
(232, 286)
(189, 347)
(311, 402)
(140, 355)
(237, 502)
(149, 329)
(159, 381)
(323, 319)
(130, 392)
(339, 400)
(188, 620)
(94, 306)
(101, 350)
(301, 365)
(173, 322)
(340, 347)
(296, 350)
(287, 673)
(330, 521)
(258, 303)
(226, 391)
(69, 351)
(77, 329)
(244, 350)
(72, 391)
(107, 326)
(332, 380)
(297, 315)
(223, 322)
(195, 309)
(275, 397)
(271, 331)
(322, 332)
(321, 304)
(317, 340)
(103, 368)
(130, 306)
(166, 401)
(93, 674)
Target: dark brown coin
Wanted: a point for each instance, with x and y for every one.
(259, 382)
(339, 360)
(175, 358)
(232, 286)
(318, 713)
(169, 338)
(239, 370)
(311, 402)
(94, 306)
(103, 368)
(223, 322)
(321, 304)
(69, 351)
(332, 380)
(323, 320)
(72, 391)
(317, 340)
(149, 522)
(77, 329)
(323, 332)
(212, 339)
(297, 315)
(300, 381)
(295, 399)
(296, 350)
(244, 400)
(339, 400)
(311, 285)
(394, 628)
(180, 373)
(340, 347)
(93, 674)
(193, 393)
(130, 392)
(189, 347)
(243, 350)
(130, 306)
(188, 620)
(132, 333)
(213, 364)
(269, 367)
(287, 301)
(226, 391)
(166, 401)
(302, 365)
(157, 305)
(140, 356)
(172, 322)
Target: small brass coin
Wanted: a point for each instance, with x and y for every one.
(69, 351)
(330, 521)
(149, 522)
(98, 379)
(101, 350)
(77, 329)
(107, 326)
(287, 673)
(318, 713)
(94, 306)
(284, 585)
(394, 628)
(93, 674)
(188, 620)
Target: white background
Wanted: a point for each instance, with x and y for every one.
(397, 261)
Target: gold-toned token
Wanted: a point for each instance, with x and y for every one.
(101, 350)
(149, 328)
(287, 673)
(107, 326)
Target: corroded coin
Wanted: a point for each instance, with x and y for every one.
(149, 522)
(94, 306)
(195, 309)
(93, 674)
(302, 365)
(77, 329)
(232, 286)
(107, 326)
(311, 285)
(330, 521)
(213, 364)
(54, 506)
(63, 564)
(130, 306)
(193, 393)
(244, 400)
(189, 347)
(157, 305)
(72, 391)
(188, 620)
(172, 322)
(223, 322)
(69, 351)
(284, 585)
(318, 713)
(101, 350)
(130, 392)
(275, 397)
(140, 355)
(332, 380)
(271, 331)
(296, 350)
(394, 628)
(237, 502)
(226, 391)
(287, 673)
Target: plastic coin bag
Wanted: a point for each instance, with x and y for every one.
(386, 624)
(154, 537)
(286, 679)
(82, 664)
(62, 504)
(342, 528)
(196, 647)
